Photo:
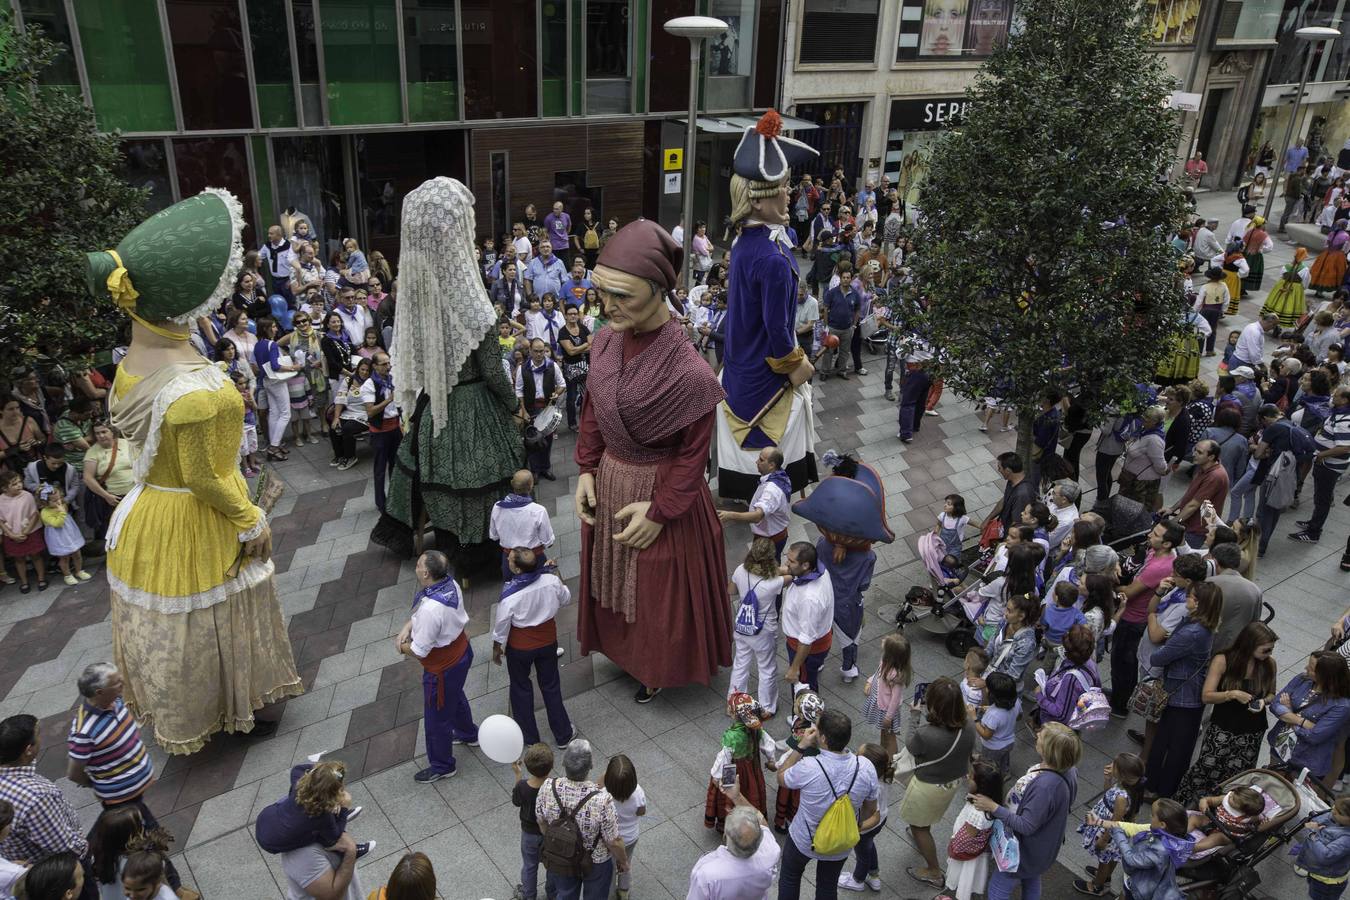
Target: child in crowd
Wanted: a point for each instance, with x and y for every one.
(1239, 811)
(370, 343)
(10, 871)
(1324, 856)
(517, 520)
(1038, 516)
(968, 854)
(754, 632)
(952, 524)
(62, 534)
(304, 423)
(867, 870)
(806, 708)
(22, 529)
(747, 747)
(884, 691)
(144, 876)
(538, 760)
(997, 721)
(248, 447)
(1229, 349)
(1150, 854)
(972, 684)
(1061, 615)
(630, 802)
(1118, 803)
(316, 811)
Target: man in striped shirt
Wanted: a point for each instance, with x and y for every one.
(1331, 461)
(44, 822)
(106, 751)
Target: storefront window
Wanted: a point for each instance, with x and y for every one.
(730, 55)
(216, 162)
(1252, 20)
(1174, 21)
(307, 49)
(360, 61)
(501, 63)
(429, 41)
(609, 83)
(914, 126)
(207, 56)
(668, 69)
(124, 58)
(1331, 59)
(49, 18)
(145, 165)
(310, 181)
(839, 31)
(271, 63)
(553, 22)
(970, 29)
(837, 138)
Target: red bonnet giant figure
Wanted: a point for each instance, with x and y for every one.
(653, 569)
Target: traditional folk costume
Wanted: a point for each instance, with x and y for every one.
(197, 629)
(761, 346)
(806, 709)
(1328, 270)
(661, 614)
(1235, 269)
(851, 516)
(1286, 298)
(1255, 244)
(441, 646)
(462, 444)
(1184, 363)
(747, 746)
(518, 521)
(526, 630)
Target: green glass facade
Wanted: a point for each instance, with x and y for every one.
(432, 59)
(360, 51)
(49, 16)
(271, 64)
(127, 69)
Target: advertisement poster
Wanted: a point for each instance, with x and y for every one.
(944, 28)
(988, 25)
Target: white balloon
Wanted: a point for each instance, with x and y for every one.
(500, 739)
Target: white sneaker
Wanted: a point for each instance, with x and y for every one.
(849, 676)
(874, 882)
(930, 412)
(847, 882)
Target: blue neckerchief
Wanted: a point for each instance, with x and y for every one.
(341, 337)
(780, 478)
(444, 592)
(522, 580)
(383, 386)
(515, 501)
(810, 576)
(1156, 429)
(1250, 389)
(1175, 596)
(539, 369)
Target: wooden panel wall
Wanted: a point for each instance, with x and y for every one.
(611, 156)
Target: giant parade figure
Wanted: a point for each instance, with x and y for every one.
(765, 372)
(653, 594)
(197, 630)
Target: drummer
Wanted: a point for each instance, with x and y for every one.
(538, 383)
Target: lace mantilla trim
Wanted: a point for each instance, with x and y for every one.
(257, 529)
(207, 378)
(249, 577)
(235, 262)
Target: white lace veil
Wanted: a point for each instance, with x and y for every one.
(443, 309)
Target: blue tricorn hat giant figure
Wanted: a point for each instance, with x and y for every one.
(850, 512)
(764, 156)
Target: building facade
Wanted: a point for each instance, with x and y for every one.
(337, 108)
(881, 104)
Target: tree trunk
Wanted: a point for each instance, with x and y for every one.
(1025, 418)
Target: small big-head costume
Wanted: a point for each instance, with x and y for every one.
(663, 613)
(462, 445)
(761, 346)
(743, 745)
(197, 630)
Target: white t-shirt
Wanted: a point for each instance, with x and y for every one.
(626, 812)
(368, 397)
(522, 526)
(770, 500)
(766, 592)
(808, 610)
(307, 865)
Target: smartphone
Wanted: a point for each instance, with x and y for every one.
(1256, 705)
(729, 776)
(920, 690)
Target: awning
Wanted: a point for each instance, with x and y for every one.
(792, 123)
(738, 124)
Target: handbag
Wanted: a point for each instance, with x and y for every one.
(1005, 849)
(991, 533)
(1149, 699)
(968, 843)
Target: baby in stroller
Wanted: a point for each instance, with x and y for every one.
(1239, 811)
(940, 549)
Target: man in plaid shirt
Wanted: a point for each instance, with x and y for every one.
(596, 818)
(44, 822)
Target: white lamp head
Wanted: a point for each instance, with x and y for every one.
(1316, 33)
(695, 28)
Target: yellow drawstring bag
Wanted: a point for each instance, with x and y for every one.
(837, 832)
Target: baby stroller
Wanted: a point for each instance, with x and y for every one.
(1230, 872)
(946, 608)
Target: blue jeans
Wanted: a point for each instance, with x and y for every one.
(794, 864)
(594, 886)
(848, 618)
(811, 666)
(866, 853)
(385, 447)
(447, 713)
(544, 661)
(1001, 886)
(1242, 496)
(531, 845)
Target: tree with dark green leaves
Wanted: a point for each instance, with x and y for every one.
(1043, 251)
(60, 196)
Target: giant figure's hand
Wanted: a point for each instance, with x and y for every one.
(260, 546)
(802, 374)
(585, 498)
(640, 531)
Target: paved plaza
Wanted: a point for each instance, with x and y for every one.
(344, 597)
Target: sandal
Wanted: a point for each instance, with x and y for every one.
(1083, 886)
(926, 879)
(25, 588)
(42, 585)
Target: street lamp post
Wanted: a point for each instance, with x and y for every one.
(1310, 35)
(697, 29)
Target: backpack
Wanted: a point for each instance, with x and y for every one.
(838, 829)
(749, 622)
(1281, 481)
(1301, 442)
(564, 852)
(1093, 710)
(591, 239)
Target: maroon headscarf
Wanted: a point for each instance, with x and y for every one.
(646, 250)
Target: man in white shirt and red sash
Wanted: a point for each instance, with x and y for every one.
(770, 506)
(526, 633)
(519, 521)
(435, 637)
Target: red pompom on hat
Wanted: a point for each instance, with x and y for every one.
(770, 124)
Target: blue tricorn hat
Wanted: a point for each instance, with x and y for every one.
(763, 155)
(849, 507)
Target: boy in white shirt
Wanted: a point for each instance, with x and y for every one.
(518, 521)
(526, 634)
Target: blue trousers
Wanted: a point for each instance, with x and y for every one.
(544, 661)
(531, 845)
(848, 618)
(451, 718)
(593, 887)
(1001, 886)
(385, 447)
(794, 865)
(810, 673)
(1320, 890)
(541, 461)
(913, 397)
(865, 852)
